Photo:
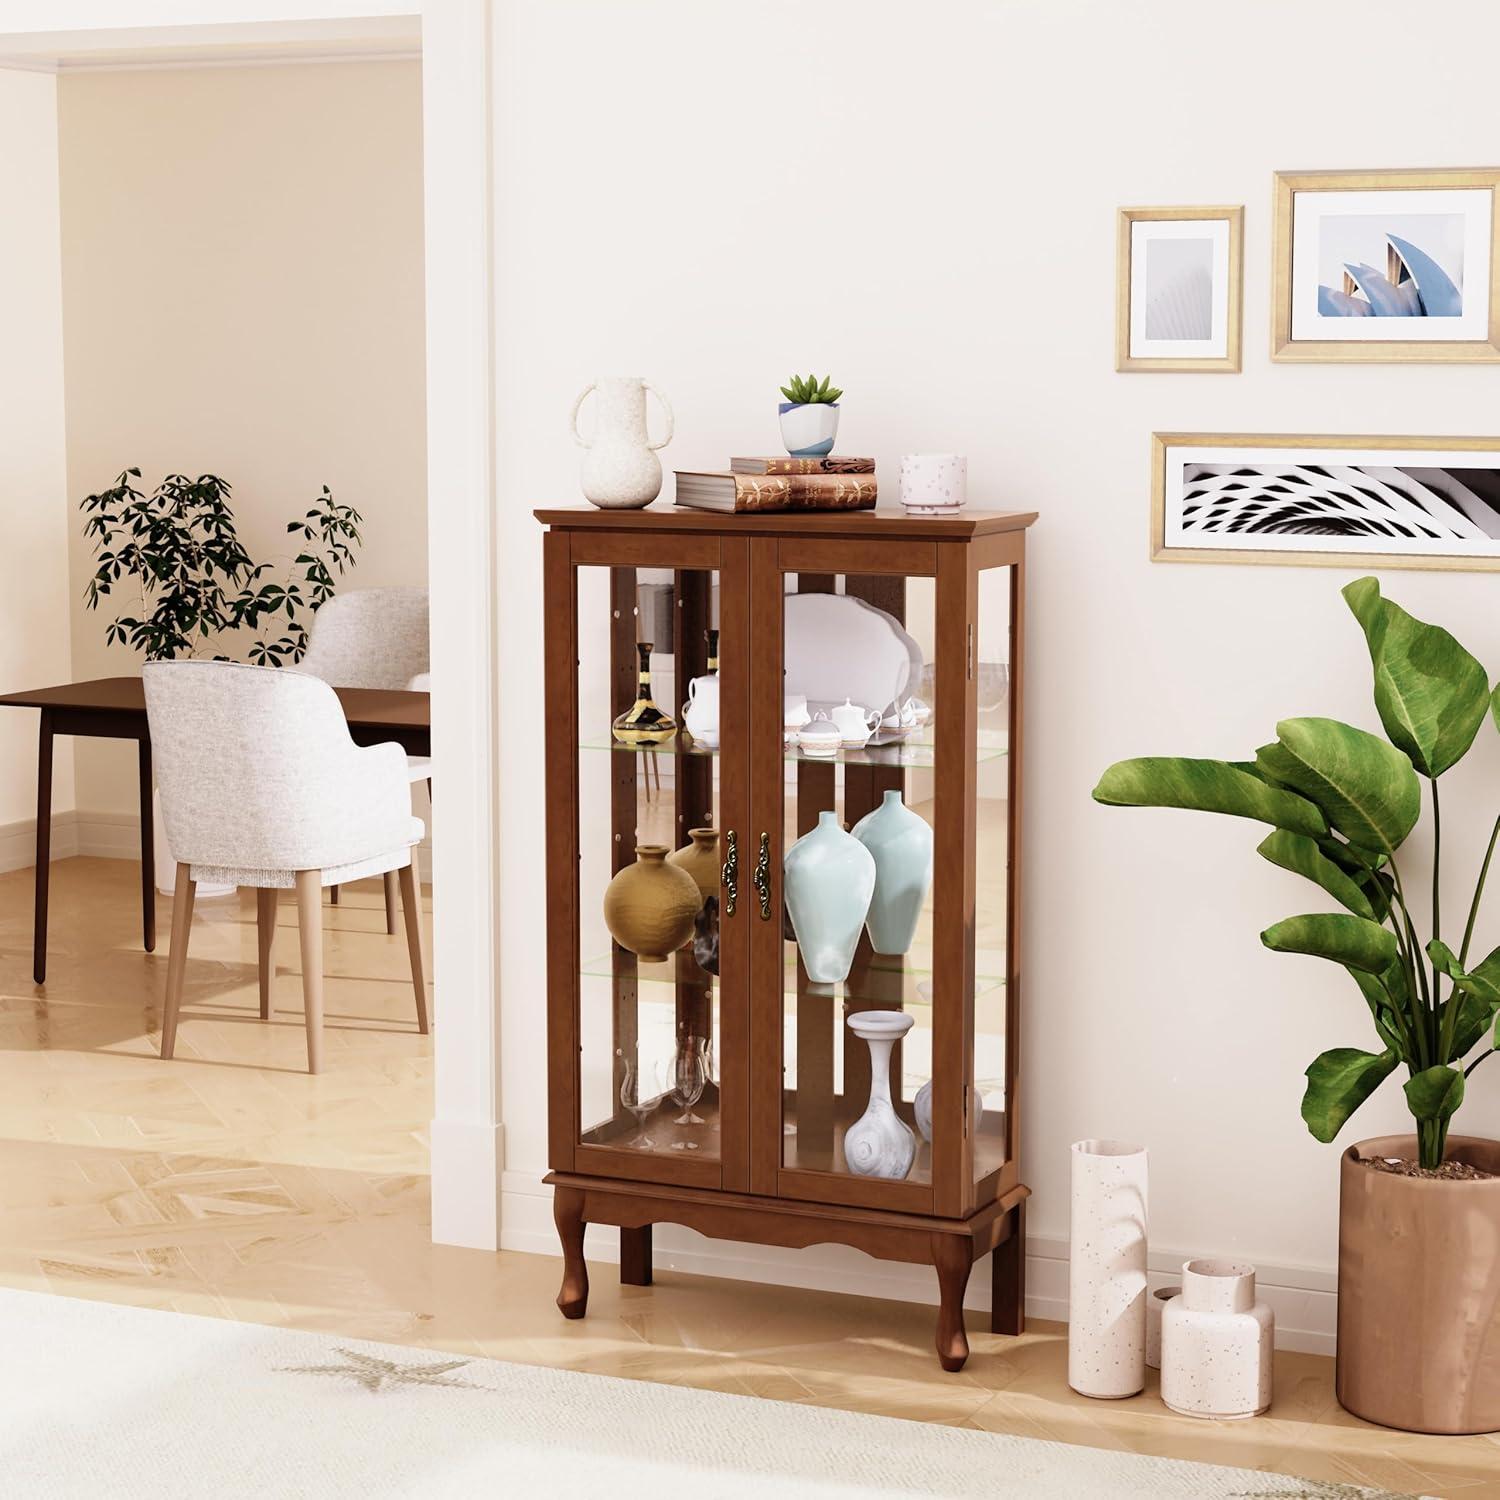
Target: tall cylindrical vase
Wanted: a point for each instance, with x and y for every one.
(1107, 1270)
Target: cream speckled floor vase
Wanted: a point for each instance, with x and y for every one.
(102, 1402)
(1107, 1270)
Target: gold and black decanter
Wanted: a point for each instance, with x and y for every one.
(643, 723)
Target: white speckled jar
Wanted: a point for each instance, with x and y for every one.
(620, 469)
(933, 484)
(1154, 1304)
(1216, 1343)
(1107, 1270)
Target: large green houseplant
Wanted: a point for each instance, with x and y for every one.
(179, 550)
(1341, 803)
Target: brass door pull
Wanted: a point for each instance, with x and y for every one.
(763, 877)
(730, 874)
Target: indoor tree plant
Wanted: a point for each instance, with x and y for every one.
(179, 552)
(1419, 1273)
(809, 416)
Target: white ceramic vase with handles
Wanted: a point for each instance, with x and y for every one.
(700, 714)
(620, 468)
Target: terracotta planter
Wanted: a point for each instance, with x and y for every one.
(1419, 1291)
(650, 906)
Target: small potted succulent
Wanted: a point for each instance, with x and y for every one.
(809, 416)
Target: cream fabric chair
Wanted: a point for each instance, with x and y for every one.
(262, 786)
(374, 638)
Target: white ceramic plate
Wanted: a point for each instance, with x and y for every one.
(839, 647)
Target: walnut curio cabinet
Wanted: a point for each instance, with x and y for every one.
(714, 1087)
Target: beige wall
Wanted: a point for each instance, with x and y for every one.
(34, 587)
(243, 293)
(921, 199)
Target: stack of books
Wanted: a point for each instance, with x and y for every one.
(781, 483)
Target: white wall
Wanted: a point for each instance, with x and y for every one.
(34, 588)
(921, 199)
(243, 286)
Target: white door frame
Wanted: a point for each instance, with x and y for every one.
(466, 1143)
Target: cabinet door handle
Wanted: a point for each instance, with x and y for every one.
(730, 874)
(763, 877)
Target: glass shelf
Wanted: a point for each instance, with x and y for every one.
(916, 752)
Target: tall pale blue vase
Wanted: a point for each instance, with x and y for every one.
(900, 842)
(829, 878)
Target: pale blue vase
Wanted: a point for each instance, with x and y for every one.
(900, 843)
(829, 878)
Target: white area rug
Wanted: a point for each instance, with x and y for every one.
(114, 1403)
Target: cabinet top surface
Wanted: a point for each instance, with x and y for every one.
(881, 522)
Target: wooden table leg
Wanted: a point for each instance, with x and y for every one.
(148, 851)
(635, 1256)
(953, 1257)
(43, 846)
(567, 1213)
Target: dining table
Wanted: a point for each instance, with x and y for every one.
(115, 708)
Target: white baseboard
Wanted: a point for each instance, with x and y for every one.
(1302, 1298)
(466, 1159)
(104, 835)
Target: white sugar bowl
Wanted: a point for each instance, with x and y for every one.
(933, 484)
(821, 737)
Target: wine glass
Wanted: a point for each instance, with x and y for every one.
(683, 1076)
(630, 1097)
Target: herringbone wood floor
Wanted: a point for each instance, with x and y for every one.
(230, 1183)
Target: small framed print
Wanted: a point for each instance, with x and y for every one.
(1178, 289)
(1367, 502)
(1387, 267)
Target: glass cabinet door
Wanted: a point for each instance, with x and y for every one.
(886, 800)
(659, 974)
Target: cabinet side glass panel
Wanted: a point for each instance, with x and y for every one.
(857, 876)
(649, 860)
(992, 937)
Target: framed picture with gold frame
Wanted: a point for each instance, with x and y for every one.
(1179, 289)
(1303, 500)
(1387, 267)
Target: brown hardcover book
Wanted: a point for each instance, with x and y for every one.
(737, 493)
(784, 463)
(832, 491)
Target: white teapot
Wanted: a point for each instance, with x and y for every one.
(854, 724)
(700, 714)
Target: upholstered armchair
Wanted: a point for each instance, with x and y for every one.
(262, 786)
(374, 638)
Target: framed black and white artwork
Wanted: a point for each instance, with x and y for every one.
(1334, 501)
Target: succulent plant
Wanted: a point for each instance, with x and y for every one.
(806, 391)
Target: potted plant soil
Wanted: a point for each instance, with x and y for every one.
(1419, 1215)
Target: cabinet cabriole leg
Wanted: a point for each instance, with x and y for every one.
(567, 1212)
(953, 1257)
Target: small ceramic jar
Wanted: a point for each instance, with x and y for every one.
(1216, 1343)
(933, 484)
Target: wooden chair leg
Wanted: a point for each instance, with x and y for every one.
(265, 932)
(411, 903)
(310, 931)
(182, 925)
(390, 903)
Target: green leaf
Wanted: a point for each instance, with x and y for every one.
(1483, 979)
(1366, 788)
(1355, 942)
(1378, 997)
(1495, 705)
(1205, 786)
(1476, 993)
(1338, 1082)
(784, 391)
(1435, 1093)
(1302, 856)
(833, 395)
(1430, 692)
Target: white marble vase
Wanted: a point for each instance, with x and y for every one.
(620, 469)
(880, 1143)
(1216, 1343)
(1107, 1270)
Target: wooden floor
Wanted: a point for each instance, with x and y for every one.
(230, 1183)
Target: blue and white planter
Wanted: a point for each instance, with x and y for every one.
(808, 428)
